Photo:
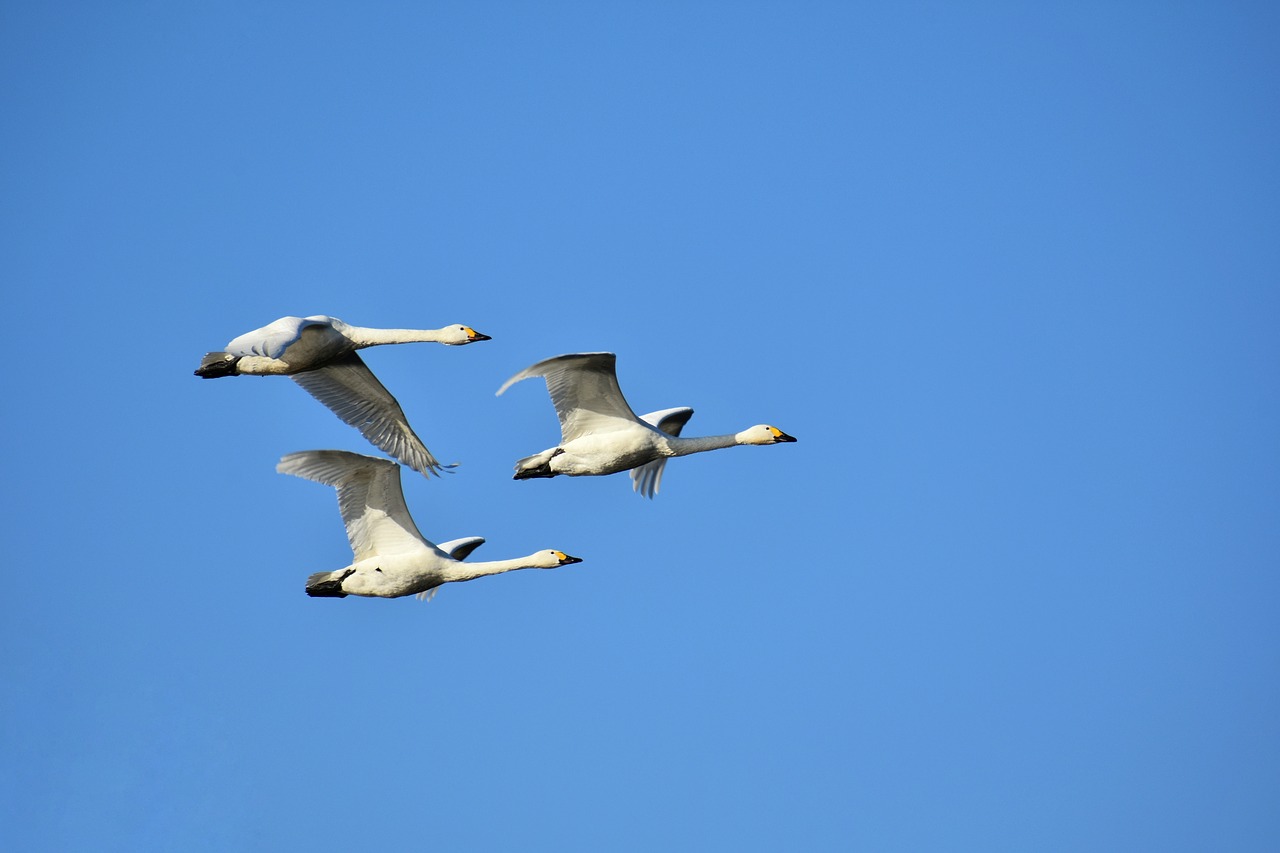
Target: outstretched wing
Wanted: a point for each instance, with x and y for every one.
(584, 389)
(646, 478)
(351, 391)
(369, 498)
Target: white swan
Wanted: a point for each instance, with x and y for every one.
(392, 558)
(319, 353)
(601, 435)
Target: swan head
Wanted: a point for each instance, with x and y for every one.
(762, 434)
(551, 559)
(457, 335)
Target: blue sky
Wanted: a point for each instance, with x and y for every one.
(1009, 273)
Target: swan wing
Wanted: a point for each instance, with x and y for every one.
(351, 391)
(646, 478)
(369, 497)
(670, 421)
(460, 549)
(274, 338)
(584, 389)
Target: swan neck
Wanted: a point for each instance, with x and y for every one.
(697, 444)
(366, 337)
(471, 571)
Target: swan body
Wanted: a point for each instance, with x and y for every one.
(391, 558)
(319, 353)
(600, 434)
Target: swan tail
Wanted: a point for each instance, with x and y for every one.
(217, 364)
(327, 584)
(537, 465)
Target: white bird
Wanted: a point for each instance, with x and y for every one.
(392, 559)
(319, 353)
(600, 434)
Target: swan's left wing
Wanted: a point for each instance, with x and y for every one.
(351, 391)
(369, 497)
(584, 389)
(646, 478)
(459, 549)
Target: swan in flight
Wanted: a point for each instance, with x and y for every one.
(319, 353)
(601, 435)
(392, 559)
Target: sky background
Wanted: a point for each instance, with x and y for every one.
(1009, 272)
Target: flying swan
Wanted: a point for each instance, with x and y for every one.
(392, 559)
(601, 435)
(319, 353)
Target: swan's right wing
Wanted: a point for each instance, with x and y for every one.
(351, 391)
(369, 497)
(460, 549)
(670, 421)
(646, 478)
(584, 389)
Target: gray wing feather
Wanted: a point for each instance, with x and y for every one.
(584, 389)
(369, 498)
(351, 391)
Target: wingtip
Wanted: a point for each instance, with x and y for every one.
(436, 469)
(505, 385)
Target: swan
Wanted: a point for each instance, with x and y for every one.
(601, 435)
(319, 353)
(392, 559)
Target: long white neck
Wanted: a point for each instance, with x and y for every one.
(471, 571)
(697, 444)
(362, 336)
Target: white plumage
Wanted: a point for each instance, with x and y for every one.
(319, 353)
(600, 434)
(391, 557)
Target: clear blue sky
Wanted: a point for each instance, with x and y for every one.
(1010, 273)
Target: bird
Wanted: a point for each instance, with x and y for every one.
(319, 353)
(600, 434)
(391, 558)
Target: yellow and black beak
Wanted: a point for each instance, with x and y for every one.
(780, 436)
(473, 335)
(566, 560)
